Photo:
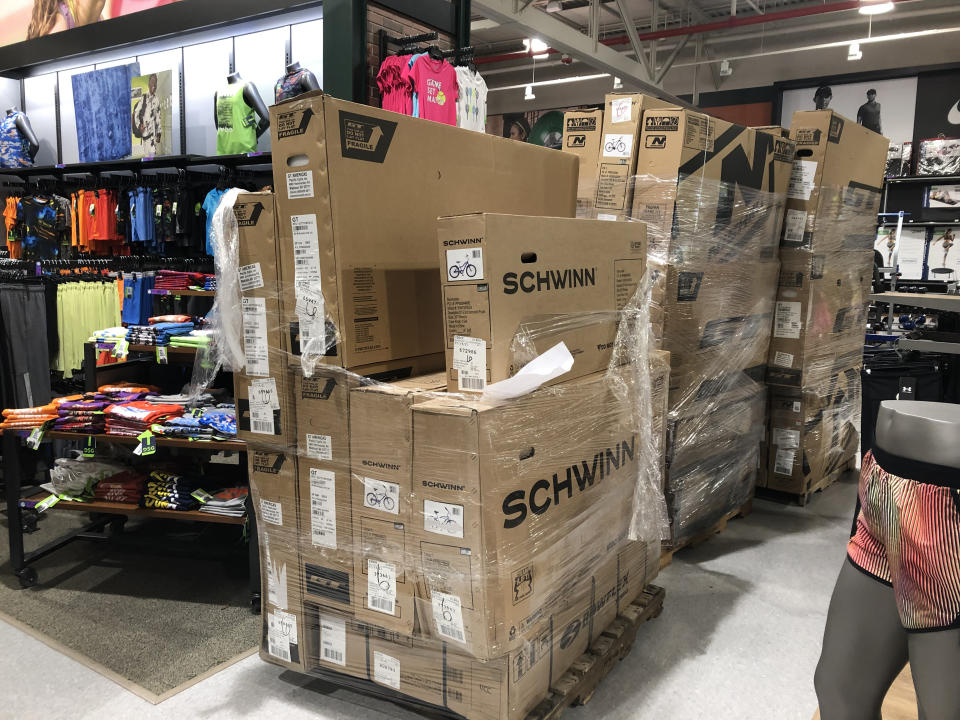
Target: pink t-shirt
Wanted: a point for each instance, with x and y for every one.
(435, 82)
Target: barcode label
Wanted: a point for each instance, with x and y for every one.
(255, 351)
(386, 670)
(476, 253)
(261, 420)
(782, 359)
(794, 226)
(448, 616)
(333, 640)
(787, 320)
(381, 586)
(323, 508)
(451, 631)
(306, 248)
(783, 464)
(470, 362)
(300, 184)
(472, 383)
(786, 438)
(443, 518)
(281, 634)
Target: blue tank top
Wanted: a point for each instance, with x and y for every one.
(14, 148)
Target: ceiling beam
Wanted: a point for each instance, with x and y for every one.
(635, 43)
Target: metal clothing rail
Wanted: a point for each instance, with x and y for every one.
(170, 162)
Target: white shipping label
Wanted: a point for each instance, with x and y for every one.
(333, 640)
(380, 495)
(606, 216)
(617, 146)
(276, 577)
(255, 351)
(300, 184)
(323, 508)
(251, 277)
(783, 464)
(311, 312)
(271, 512)
(794, 225)
(263, 392)
(802, 179)
(261, 420)
(787, 323)
(465, 264)
(796, 406)
(319, 447)
(448, 616)
(281, 634)
(381, 586)
(386, 670)
(443, 518)
(782, 359)
(786, 438)
(306, 248)
(470, 362)
(620, 110)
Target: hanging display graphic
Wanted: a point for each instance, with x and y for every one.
(151, 114)
(29, 19)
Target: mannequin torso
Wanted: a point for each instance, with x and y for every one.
(924, 432)
(18, 142)
(297, 81)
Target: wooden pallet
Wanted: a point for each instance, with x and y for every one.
(666, 556)
(814, 487)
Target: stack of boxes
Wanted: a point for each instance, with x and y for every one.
(826, 254)
(459, 551)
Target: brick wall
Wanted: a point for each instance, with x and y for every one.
(397, 25)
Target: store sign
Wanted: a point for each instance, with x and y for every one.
(938, 105)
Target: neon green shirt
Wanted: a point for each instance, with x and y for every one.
(236, 123)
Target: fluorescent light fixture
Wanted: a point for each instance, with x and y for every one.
(528, 93)
(854, 52)
(875, 7)
(617, 84)
(554, 6)
(559, 81)
(483, 24)
(537, 47)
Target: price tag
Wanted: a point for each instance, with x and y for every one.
(147, 446)
(36, 437)
(47, 503)
(120, 349)
(196, 412)
(159, 210)
(201, 496)
(162, 354)
(89, 447)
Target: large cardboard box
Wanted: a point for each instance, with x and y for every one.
(819, 318)
(581, 137)
(517, 286)
(326, 491)
(834, 191)
(359, 190)
(516, 499)
(710, 191)
(273, 487)
(381, 461)
(623, 119)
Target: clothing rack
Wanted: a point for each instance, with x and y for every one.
(386, 40)
(141, 263)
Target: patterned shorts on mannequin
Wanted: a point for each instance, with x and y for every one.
(908, 536)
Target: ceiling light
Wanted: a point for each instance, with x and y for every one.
(725, 69)
(483, 24)
(554, 6)
(617, 84)
(875, 7)
(537, 47)
(854, 53)
(528, 93)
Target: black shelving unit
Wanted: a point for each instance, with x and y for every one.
(198, 163)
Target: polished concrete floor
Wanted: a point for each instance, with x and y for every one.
(739, 638)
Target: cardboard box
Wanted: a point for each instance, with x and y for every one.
(519, 285)
(327, 547)
(581, 137)
(623, 119)
(710, 191)
(819, 317)
(273, 488)
(775, 130)
(381, 460)
(834, 191)
(266, 414)
(499, 540)
(359, 190)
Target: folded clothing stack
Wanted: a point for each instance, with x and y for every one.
(185, 426)
(83, 415)
(209, 423)
(158, 334)
(77, 478)
(176, 280)
(229, 502)
(109, 335)
(30, 418)
(195, 339)
(124, 487)
(210, 283)
(169, 492)
(132, 418)
(157, 319)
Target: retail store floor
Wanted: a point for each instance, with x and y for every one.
(739, 638)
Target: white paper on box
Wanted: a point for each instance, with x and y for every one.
(616, 145)
(796, 406)
(782, 359)
(255, 351)
(443, 518)
(323, 508)
(470, 362)
(263, 392)
(381, 586)
(251, 277)
(381, 495)
(607, 217)
(281, 634)
(786, 438)
(276, 577)
(448, 616)
(271, 512)
(306, 248)
(794, 226)
(620, 110)
(386, 670)
(783, 464)
(319, 447)
(802, 179)
(261, 420)
(787, 323)
(333, 640)
(465, 264)
(300, 184)
(543, 368)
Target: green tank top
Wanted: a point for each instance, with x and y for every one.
(236, 123)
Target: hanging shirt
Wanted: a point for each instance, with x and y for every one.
(291, 85)
(394, 83)
(210, 204)
(471, 100)
(14, 148)
(38, 217)
(236, 122)
(435, 82)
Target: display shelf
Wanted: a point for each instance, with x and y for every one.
(186, 293)
(934, 301)
(210, 445)
(113, 508)
(921, 179)
(137, 165)
(931, 346)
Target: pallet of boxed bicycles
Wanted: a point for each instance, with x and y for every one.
(462, 487)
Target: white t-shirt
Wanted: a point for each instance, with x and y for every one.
(471, 100)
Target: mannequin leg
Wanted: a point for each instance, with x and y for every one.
(935, 663)
(864, 648)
